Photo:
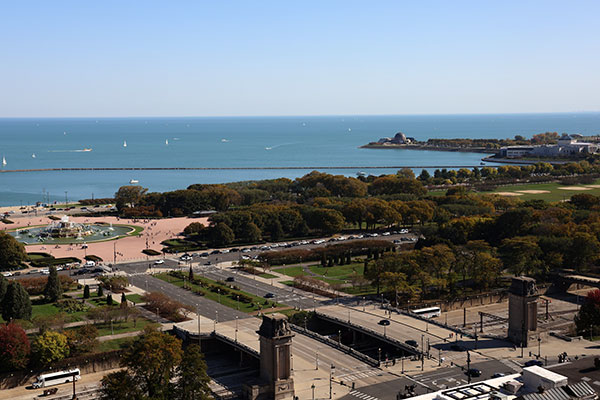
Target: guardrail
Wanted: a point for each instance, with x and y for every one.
(330, 342)
(371, 332)
(186, 335)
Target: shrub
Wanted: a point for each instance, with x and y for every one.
(167, 308)
(71, 305)
(114, 283)
(151, 252)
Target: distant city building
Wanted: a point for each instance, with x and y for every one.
(567, 146)
(399, 138)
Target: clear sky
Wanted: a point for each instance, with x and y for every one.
(194, 58)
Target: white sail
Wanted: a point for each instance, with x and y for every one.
(167, 142)
(124, 143)
(33, 155)
(3, 161)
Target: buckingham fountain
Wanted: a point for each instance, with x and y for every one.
(67, 231)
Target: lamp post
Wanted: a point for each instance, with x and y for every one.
(539, 347)
(331, 380)
(199, 327)
(313, 391)
(339, 337)
(317, 360)
(422, 354)
(219, 291)
(468, 366)
(363, 303)
(379, 354)
(238, 302)
(236, 327)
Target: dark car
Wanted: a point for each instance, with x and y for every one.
(498, 375)
(269, 296)
(385, 322)
(412, 343)
(229, 279)
(457, 347)
(474, 372)
(531, 363)
(215, 252)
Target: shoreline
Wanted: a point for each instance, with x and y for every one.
(432, 148)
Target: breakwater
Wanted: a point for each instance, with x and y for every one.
(430, 148)
(232, 168)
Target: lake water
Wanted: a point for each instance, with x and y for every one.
(234, 142)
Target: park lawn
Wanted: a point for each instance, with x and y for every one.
(223, 299)
(123, 326)
(290, 271)
(555, 194)
(267, 276)
(50, 309)
(114, 344)
(339, 272)
(135, 298)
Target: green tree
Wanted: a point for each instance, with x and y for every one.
(193, 380)
(3, 288)
(53, 290)
(123, 300)
(221, 234)
(83, 340)
(129, 196)
(50, 347)
(521, 255)
(86, 292)
(584, 251)
(191, 274)
(12, 252)
(152, 360)
(99, 291)
(109, 300)
(120, 385)
(16, 303)
(14, 347)
(587, 319)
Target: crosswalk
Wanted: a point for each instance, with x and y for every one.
(362, 396)
(358, 375)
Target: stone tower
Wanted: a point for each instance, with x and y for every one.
(276, 380)
(522, 310)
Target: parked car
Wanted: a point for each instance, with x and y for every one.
(412, 343)
(531, 363)
(7, 274)
(229, 279)
(158, 262)
(498, 375)
(269, 296)
(474, 372)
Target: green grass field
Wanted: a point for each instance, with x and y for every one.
(223, 299)
(555, 194)
(267, 276)
(135, 298)
(114, 344)
(123, 326)
(339, 273)
(290, 271)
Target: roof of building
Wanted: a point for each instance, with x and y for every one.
(548, 394)
(543, 372)
(580, 390)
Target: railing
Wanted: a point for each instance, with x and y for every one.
(335, 344)
(371, 332)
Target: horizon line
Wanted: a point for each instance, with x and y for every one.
(305, 115)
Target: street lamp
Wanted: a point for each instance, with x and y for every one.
(313, 391)
(379, 354)
(468, 366)
(539, 347)
(236, 327)
(331, 380)
(339, 337)
(238, 302)
(219, 291)
(199, 327)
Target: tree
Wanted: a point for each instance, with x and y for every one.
(193, 380)
(53, 290)
(588, 317)
(120, 385)
(82, 340)
(3, 288)
(109, 300)
(123, 301)
(50, 347)
(16, 303)
(14, 347)
(129, 196)
(152, 360)
(221, 234)
(12, 252)
(521, 255)
(100, 292)
(86, 292)
(191, 274)
(584, 250)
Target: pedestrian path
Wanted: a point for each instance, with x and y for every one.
(358, 375)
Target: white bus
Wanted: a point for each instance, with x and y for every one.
(428, 312)
(56, 378)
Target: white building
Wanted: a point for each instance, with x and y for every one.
(567, 146)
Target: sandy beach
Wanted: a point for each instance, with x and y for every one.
(127, 248)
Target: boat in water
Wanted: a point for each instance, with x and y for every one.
(3, 161)
(167, 142)
(90, 149)
(124, 143)
(134, 181)
(33, 155)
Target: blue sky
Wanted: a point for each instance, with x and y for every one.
(192, 58)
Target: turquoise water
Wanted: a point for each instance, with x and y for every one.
(233, 142)
(99, 233)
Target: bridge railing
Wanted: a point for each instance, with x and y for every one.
(335, 344)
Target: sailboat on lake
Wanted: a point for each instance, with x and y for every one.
(3, 161)
(124, 143)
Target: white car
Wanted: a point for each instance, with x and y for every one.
(45, 271)
(7, 274)
(158, 262)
